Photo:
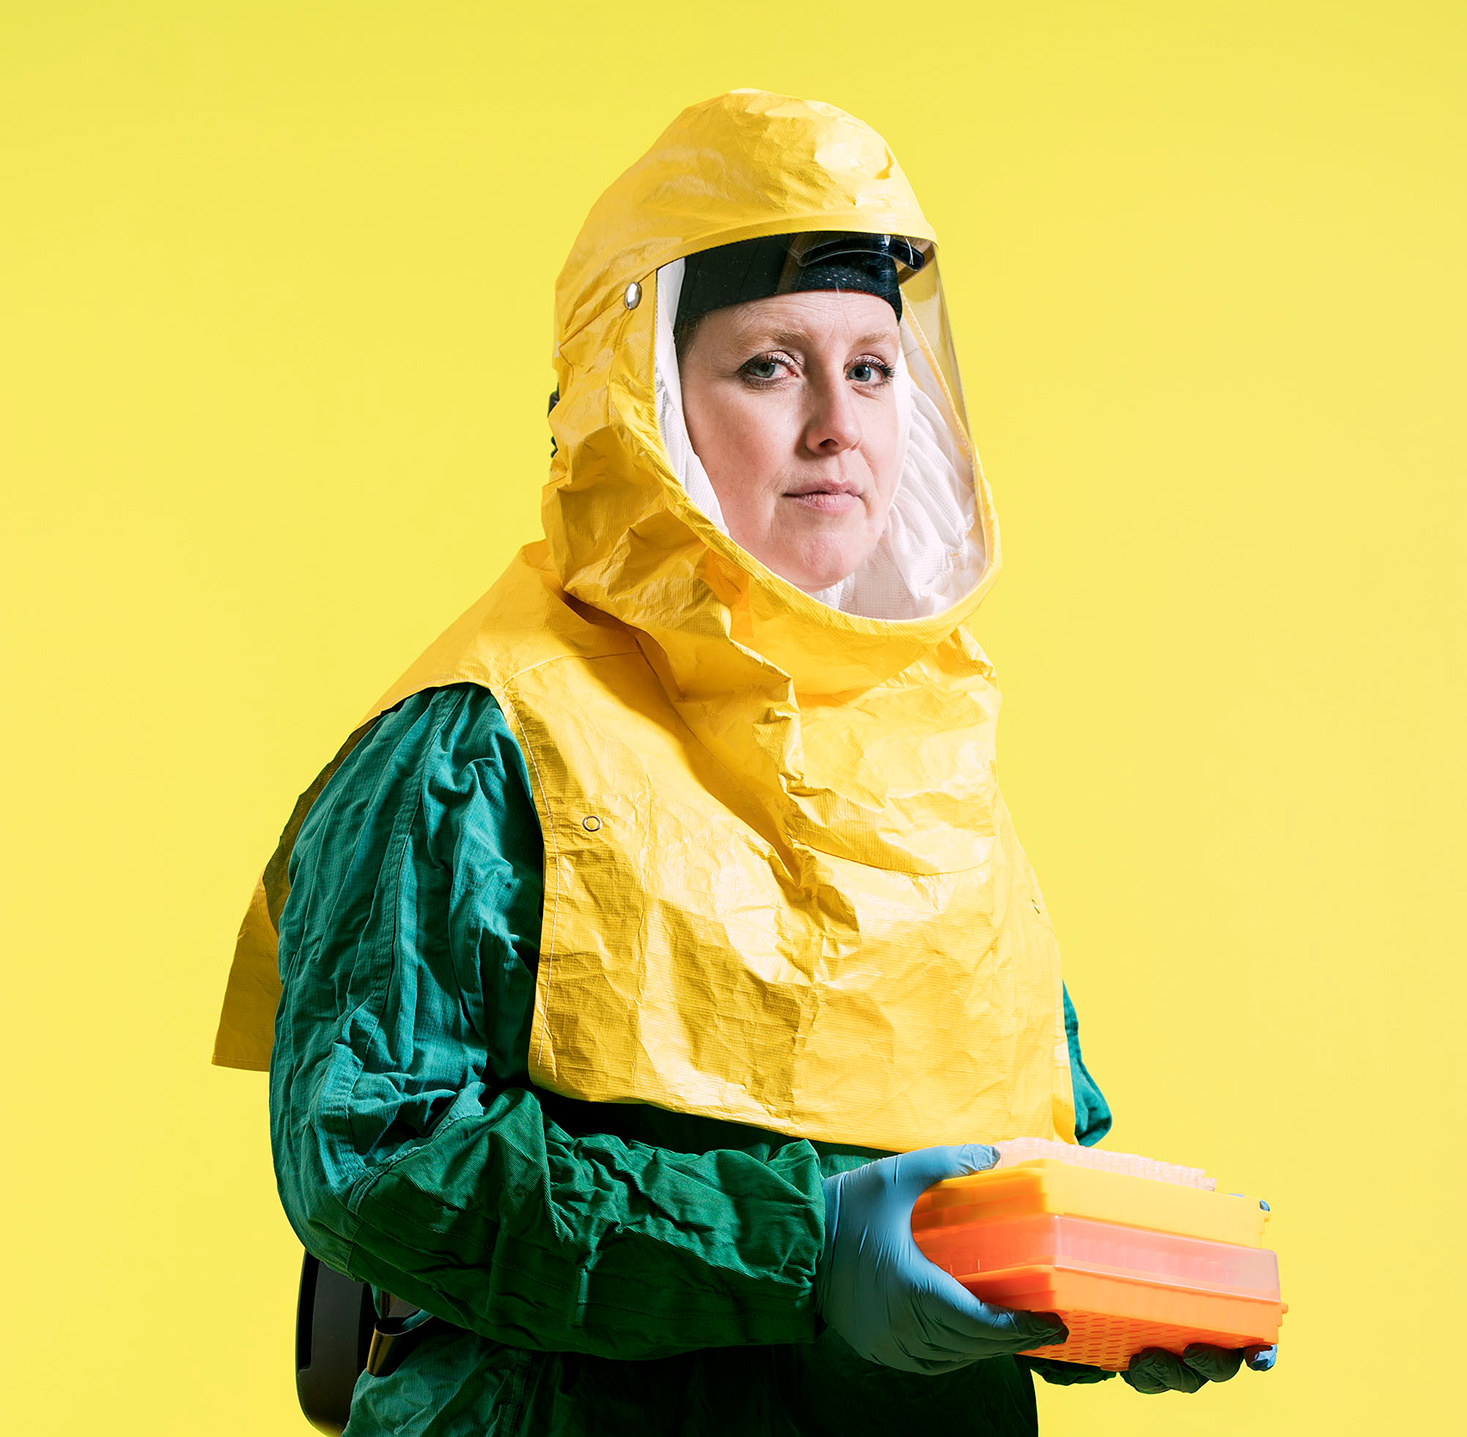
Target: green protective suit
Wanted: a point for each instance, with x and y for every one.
(608, 1269)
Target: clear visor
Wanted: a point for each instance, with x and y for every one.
(915, 262)
(924, 311)
(936, 546)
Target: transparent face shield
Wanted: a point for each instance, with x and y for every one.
(934, 549)
(915, 263)
(925, 313)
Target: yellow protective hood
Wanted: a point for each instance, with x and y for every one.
(618, 521)
(781, 885)
(738, 649)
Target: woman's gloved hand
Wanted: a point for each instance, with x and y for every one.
(1065, 1374)
(1157, 1371)
(877, 1290)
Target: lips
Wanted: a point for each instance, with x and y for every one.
(826, 498)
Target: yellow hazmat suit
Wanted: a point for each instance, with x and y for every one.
(781, 885)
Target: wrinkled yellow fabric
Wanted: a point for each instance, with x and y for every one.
(781, 884)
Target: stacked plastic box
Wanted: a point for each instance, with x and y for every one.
(1127, 1262)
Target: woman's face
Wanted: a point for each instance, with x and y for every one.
(791, 407)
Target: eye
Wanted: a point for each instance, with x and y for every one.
(764, 368)
(870, 371)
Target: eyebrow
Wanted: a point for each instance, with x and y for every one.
(793, 339)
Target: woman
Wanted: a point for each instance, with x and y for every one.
(672, 886)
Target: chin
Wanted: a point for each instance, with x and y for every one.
(813, 573)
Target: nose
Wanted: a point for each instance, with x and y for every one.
(833, 424)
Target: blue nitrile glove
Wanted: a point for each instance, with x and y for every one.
(1155, 1370)
(878, 1291)
(1065, 1374)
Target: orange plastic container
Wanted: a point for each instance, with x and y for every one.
(1050, 1237)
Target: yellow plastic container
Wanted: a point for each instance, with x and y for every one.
(1126, 1262)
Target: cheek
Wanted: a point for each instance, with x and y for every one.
(744, 441)
(881, 449)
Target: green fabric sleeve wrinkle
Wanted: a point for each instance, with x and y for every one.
(411, 1150)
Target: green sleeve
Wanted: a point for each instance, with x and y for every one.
(412, 1151)
(1092, 1112)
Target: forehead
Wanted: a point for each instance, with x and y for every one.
(815, 316)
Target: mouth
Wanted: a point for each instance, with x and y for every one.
(826, 498)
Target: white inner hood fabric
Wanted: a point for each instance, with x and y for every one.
(932, 552)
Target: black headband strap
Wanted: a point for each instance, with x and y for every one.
(786, 264)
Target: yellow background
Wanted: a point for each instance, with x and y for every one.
(274, 327)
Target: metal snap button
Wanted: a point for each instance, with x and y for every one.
(590, 823)
(633, 296)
